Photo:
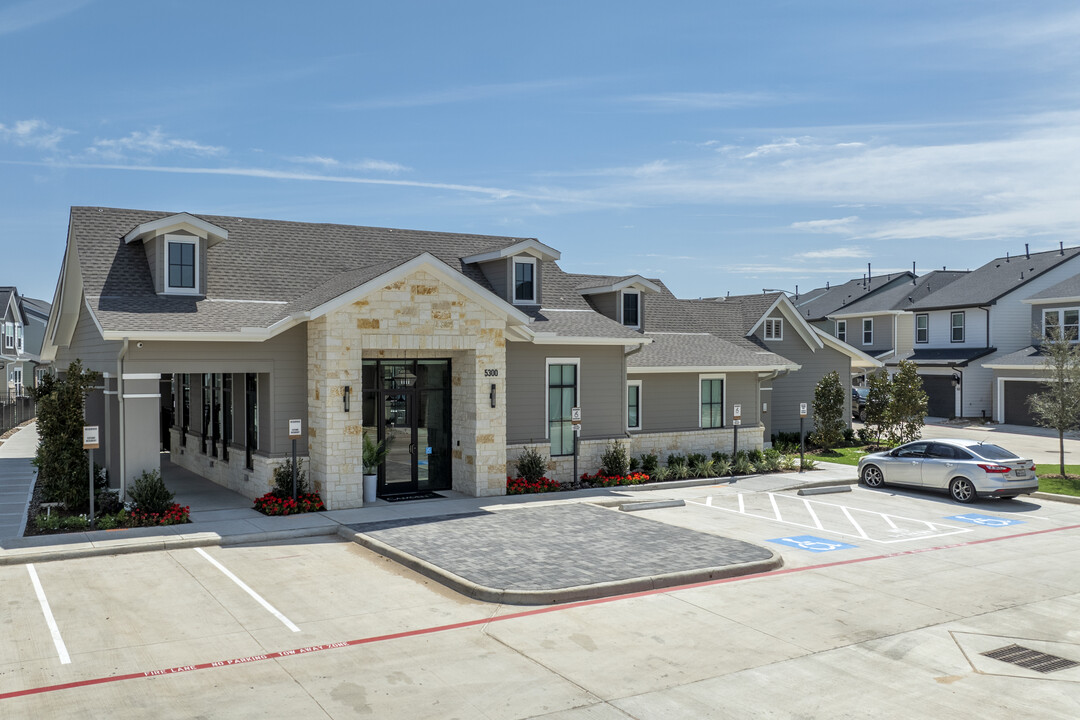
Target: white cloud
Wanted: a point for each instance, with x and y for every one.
(25, 15)
(142, 145)
(833, 253)
(33, 133)
(363, 165)
(833, 225)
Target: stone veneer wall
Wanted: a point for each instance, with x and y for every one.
(231, 474)
(663, 444)
(417, 317)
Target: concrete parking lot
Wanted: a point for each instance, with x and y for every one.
(884, 608)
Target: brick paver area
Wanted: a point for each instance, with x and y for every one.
(558, 546)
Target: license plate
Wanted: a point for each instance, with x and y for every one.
(1021, 473)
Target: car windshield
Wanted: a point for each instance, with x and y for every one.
(861, 392)
(992, 452)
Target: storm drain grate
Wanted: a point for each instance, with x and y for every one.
(1030, 659)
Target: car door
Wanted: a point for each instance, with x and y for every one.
(940, 464)
(905, 467)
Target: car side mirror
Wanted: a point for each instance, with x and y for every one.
(894, 453)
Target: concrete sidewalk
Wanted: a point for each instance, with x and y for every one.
(17, 477)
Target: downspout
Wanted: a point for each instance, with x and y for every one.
(120, 399)
(626, 354)
(961, 386)
(986, 309)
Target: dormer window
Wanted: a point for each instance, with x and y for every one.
(524, 281)
(182, 266)
(631, 309)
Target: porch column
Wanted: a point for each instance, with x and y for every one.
(142, 419)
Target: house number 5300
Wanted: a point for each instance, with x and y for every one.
(488, 372)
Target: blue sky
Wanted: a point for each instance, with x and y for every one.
(719, 146)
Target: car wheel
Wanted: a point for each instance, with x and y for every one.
(862, 415)
(962, 490)
(872, 476)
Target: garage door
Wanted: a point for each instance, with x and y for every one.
(941, 395)
(1016, 397)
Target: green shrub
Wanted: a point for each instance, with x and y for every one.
(680, 470)
(649, 464)
(772, 460)
(47, 522)
(808, 463)
(721, 466)
(635, 464)
(673, 460)
(760, 466)
(719, 457)
(75, 522)
(849, 437)
(282, 479)
(742, 464)
(702, 467)
(695, 458)
(531, 465)
(662, 474)
(864, 435)
(755, 455)
(150, 494)
(614, 461)
(788, 463)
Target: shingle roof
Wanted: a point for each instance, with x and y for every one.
(701, 350)
(41, 307)
(819, 303)
(1028, 357)
(902, 296)
(946, 356)
(993, 280)
(1067, 288)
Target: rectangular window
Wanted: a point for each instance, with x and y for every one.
(226, 415)
(631, 309)
(19, 338)
(868, 331)
(562, 397)
(1067, 322)
(957, 325)
(181, 271)
(9, 335)
(205, 412)
(712, 401)
(633, 405)
(251, 419)
(841, 330)
(16, 379)
(922, 328)
(525, 281)
(774, 329)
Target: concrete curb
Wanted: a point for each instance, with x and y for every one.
(555, 596)
(818, 484)
(1071, 499)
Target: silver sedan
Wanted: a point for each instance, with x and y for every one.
(968, 469)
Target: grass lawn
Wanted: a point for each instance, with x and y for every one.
(843, 456)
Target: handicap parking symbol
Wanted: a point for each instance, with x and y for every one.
(813, 544)
(985, 520)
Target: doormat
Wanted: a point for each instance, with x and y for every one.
(411, 496)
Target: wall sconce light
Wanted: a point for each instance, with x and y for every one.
(345, 397)
(492, 396)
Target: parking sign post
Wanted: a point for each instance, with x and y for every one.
(91, 441)
(802, 435)
(294, 432)
(575, 421)
(736, 421)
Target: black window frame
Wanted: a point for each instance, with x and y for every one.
(925, 330)
(953, 327)
(181, 264)
(523, 282)
(636, 309)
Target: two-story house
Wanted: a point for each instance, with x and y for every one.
(964, 330)
(819, 305)
(22, 330)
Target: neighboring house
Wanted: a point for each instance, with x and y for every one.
(878, 323)
(22, 328)
(819, 305)
(214, 332)
(967, 333)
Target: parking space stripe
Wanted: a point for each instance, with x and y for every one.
(243, 586)
(776, 510)
(510, 616)
(61, 648)
(813, 515)
(858, 528)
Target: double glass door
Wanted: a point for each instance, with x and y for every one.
(407, 404)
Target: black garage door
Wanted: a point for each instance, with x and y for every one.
(1016, 396)
(941, 396)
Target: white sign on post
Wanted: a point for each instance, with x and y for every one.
(737, 412)
(802, 409)
(91, 438)
(295, 428)
(575, 415)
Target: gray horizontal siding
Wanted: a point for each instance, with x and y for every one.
(88, 345)
(670, 402)
(798, 387)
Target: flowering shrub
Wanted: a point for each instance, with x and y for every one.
(271, 504)
(175, 515)
(521, 486)
(601, 480)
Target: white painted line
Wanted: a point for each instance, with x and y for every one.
(810, 509)
(890, 522)
(58, 641)
(858, 528)
(243, 586)
(775, 507)
(742, 504)
(708, 501)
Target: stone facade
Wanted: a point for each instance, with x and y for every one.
(419, 316)
(231, 473)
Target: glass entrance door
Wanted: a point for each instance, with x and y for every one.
(407, 404)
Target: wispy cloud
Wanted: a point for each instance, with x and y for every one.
(465, 93)
(678, 101)
(832, 225)
(25, 15)
(140, 145)
(33, 133)
(834, 253)
(362, 165)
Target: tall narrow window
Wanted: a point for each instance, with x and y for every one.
(205, 412)
(9, 335)
(251, 419)
(226, 414)
(18, 338)
(841, 330)
(774, 328)
(868, 331)
(922, 328)
(633, 405)
(631, 309)
(712, 402)
(562, 397)
(957, 324)
(525, 281)
(181, 261)
(185, 407)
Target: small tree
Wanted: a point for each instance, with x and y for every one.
(907, 410)
(830, 404)
(877, 404)
(60, 456)
(1059, 406)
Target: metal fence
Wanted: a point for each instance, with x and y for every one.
(15, 410)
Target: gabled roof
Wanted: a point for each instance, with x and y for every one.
(898, 298)
(181, 221)
(40, 307)
(528, 246)
(995, 279)
(702, 352)
(819, 303)
(615, 284)
(1068, 290)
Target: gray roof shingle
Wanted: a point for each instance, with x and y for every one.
(904, 295)
(819, 303)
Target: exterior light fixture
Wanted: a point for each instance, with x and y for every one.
(492, 395)
(345, 397)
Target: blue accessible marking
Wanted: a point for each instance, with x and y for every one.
(813, 544)
(985, 520)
